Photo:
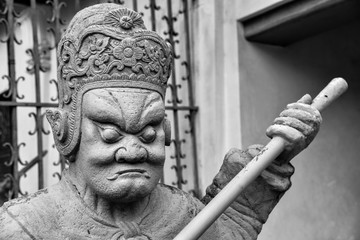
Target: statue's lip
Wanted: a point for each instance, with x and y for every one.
(117, 174)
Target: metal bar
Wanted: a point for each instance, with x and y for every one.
(12, 76)
(182, 108)
(174, 102)
(152, 11)
(192, 108)
(54, 105)
(27, 104)
(77, 5)
(135, 5)
(36, 58)
(57, 23)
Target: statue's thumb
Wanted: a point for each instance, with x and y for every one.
(307, 99)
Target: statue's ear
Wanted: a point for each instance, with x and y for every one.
(59, 124)
(167, 130)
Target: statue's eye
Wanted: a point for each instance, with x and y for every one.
(148, 135)
(108, 133)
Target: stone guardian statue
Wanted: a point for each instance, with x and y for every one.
(111, 127)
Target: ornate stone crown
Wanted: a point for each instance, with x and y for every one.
(105, 45)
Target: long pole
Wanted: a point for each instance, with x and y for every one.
(252, 170)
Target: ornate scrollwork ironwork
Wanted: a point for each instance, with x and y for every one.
(56, 174)
(12, 154)
(152, 5)
(56, 8)
(177, 148)
(56, 20)
(6, 188)
(32, 114)
(186, 65)
(6, 26)
(180, 181)
(7, 93)
(171, 31)
(4, 6)
(18, 24)
(188, 131)
(11, 82)
(16, 83)
(18, 150)
(173, 89)
(44, 58)
(53, 81)
(46, 132)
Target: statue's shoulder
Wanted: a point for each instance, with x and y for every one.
(26, 201)
(10, 228)
(19, 216)
(40, 201)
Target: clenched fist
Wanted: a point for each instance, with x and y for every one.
(298, 124)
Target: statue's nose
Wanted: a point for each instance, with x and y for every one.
(131, 153)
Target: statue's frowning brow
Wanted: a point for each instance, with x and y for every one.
(131, 110)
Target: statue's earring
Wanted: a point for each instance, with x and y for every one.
(167, 130)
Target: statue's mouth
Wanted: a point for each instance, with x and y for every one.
(129, 172)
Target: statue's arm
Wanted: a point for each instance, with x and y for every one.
(251, 209)
(297, 125)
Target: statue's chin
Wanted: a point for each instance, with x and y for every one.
(127, 192)
(132, 196)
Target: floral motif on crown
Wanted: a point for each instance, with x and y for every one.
(128, 52)
(124, 19)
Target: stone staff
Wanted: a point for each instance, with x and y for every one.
(223, 200)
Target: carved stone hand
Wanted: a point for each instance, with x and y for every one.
(298, 124)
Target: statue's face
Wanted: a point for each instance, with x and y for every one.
(122, 148)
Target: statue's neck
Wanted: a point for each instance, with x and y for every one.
(114, 212)
(119, 211)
